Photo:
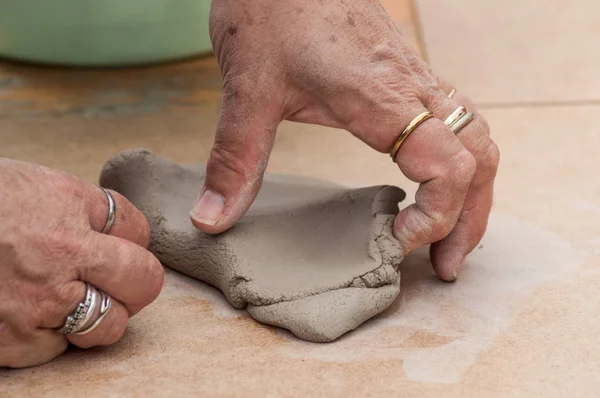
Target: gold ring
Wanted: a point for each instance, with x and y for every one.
(409, 129)
(455, 116)
(462, 122)
(452, 93)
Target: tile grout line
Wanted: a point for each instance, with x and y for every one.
(416, 20)
(539, 104)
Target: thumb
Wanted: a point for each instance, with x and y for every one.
(238, 159)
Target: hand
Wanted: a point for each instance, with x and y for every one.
(50, 246)
(344, 65)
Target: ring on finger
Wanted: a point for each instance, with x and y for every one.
(416, 122)
(462, 122)
(88, 314)
(452, 93)
(459, 119)
(112, 212)
(455, 116)
(77, 319)
(105, 303)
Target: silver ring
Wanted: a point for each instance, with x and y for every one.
(112, 212)
(105, 303)
(88, 314)
(462, 122)
(455, 116)
(81, 315)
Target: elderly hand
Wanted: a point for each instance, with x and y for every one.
(345, 65)
(50, 245)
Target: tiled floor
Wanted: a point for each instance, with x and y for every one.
(512, 51)
(521, 321)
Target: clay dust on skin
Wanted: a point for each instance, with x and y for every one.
(439, 329)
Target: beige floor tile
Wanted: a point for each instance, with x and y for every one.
(549, 168)
(515, 51)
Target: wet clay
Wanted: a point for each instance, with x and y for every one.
(312, 257)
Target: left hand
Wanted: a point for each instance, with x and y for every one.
(51, 245)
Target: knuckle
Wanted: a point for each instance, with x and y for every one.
(151, 272)
(443, 85)
(464, 165)
(425, 229)
(58, 302)
(143, 231)
(240, 90)
(132, 219)
(436, 101)
(483, 125)
(145, 268)
(478, 232)
(155, 280)
(441, 225)
(62, 246)
(225, 158)
(385, 54)
(67, 182)
(125, 252)
(491, 156)
(420, 67)
(488, 158)
(103, 259)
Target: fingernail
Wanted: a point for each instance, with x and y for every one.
(455, 274)
(209, 208)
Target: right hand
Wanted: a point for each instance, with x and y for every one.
(50, 245)
(344, 65)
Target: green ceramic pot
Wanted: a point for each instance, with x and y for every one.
(103, 32)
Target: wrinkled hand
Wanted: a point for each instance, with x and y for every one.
(344, 65)
(50, 246)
